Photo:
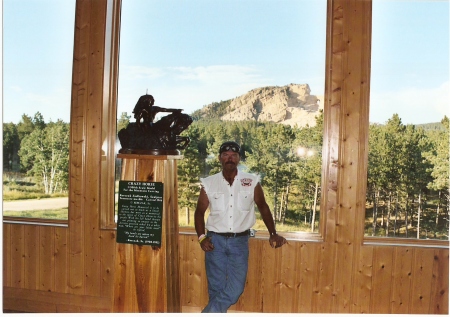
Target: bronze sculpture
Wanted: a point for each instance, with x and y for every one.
(157, 138)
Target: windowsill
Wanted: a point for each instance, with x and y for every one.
(291, 236)
(405, 242)
(35, 221)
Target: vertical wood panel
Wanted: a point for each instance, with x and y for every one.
(382, 277)
(171, 229)
(125, 275)
(7, 258)
(85, 238)
(77, 146)
(193, 278)
(61, 260)
(192, 268)
(352, 144)
(331, 121)
(440, 294)
(185, 271)
(107, 258)
(276, 291)
(46, 259)
(32, 268)
(363, 108)
(308, 270)
(345, 225)
(93, 142)
(251, 299)
(322, 300)
(109, 112)
(401, 275)
(17, 256)
(422, 269)
(362, 288)
(150, 279)
(323, 279)
(271, 276)
(287, 282)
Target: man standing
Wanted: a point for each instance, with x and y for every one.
(231, 196)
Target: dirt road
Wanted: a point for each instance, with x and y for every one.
(36, 204)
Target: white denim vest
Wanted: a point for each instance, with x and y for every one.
(232, 208)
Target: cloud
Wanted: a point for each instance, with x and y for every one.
(16, 88)
(53, 106)
(51, 103)
(189, 88)
(224, 74)
(218, 73)
(35, 99)
(413, 105)
(141, 72)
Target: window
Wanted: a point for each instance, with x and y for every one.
(37, 74)
(407, 189)
(194, 54)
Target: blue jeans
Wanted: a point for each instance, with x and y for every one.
(226, 270)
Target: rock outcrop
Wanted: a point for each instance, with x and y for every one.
(291, 104)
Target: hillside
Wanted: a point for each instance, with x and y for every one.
(434, 126)
(291, 104)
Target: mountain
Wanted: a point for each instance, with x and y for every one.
(291, 104)
(431, 126)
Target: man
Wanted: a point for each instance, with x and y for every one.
(231, 196)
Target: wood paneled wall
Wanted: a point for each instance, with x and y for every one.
(71, 268)
(385, 279)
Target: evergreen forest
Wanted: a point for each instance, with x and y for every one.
(407, 180)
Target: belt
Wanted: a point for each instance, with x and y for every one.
(232, 234)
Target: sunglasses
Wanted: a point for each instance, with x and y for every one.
(225, 148)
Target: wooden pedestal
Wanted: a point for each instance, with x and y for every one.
(147, 278)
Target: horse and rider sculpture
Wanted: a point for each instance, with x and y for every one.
(148, 137)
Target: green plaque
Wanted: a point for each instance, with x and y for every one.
(140, 213)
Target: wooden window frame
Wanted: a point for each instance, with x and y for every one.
(109, 114)
(339, 102)
(38, 221)
(344, 153)
(109, 123)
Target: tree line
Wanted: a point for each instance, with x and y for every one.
(408, 180)
(287, 159)
(40, 150)
(407, 183)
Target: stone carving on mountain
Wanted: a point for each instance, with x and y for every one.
(291, 104)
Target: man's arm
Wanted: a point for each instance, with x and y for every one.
(199, 215)
(275, 239)
(157, 109)
(199, 220)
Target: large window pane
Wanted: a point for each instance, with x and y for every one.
(190, 54)
(407, 193)
(37, 72)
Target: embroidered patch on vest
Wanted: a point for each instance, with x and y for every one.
(246, 182)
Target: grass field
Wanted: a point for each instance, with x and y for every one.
(59, 214)
(19, 187)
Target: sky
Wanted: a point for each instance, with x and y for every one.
(188, 54)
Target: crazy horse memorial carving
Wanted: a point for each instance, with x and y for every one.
(155, 138)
